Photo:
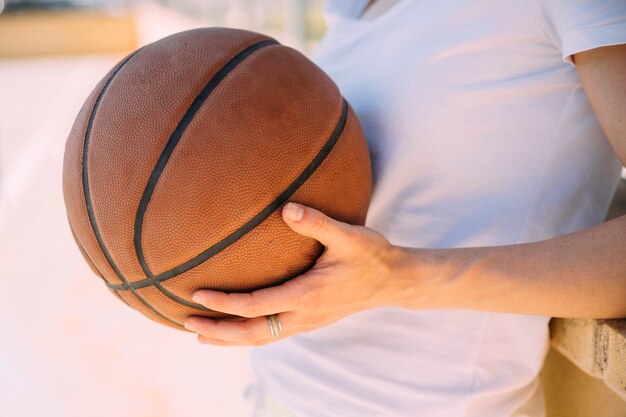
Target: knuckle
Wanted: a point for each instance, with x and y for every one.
(248, 333)
(311, 297)
(217, 304)
(220, 330)
(303, 293)
(203, 329)
(250, 307)
(248, 312)
(363, 239)
(321, 223)
(353, 235)
(311, 302)
(353, 239)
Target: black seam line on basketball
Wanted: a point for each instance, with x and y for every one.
(92, 218)
(254, 221)
(84, 252)
(165, 156)
(86, 255)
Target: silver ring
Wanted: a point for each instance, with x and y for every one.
(276, 330)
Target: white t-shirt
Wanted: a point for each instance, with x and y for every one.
(480, 134)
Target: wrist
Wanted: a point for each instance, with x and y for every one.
(428, 278)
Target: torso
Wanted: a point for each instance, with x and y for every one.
(480, 135)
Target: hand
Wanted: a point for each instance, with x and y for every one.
(353, 274)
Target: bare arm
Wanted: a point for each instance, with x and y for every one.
(581, 274)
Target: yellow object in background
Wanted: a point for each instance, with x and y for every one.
(68, 32)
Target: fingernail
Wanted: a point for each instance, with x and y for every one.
(190, 325)
(197, 298)
(294, 211)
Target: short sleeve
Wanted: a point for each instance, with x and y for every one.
(579, 25)
(334, 9)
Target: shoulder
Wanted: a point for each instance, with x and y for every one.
(579, 25)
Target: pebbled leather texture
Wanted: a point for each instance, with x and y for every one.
(255, 133)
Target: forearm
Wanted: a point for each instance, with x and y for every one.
(581, 274)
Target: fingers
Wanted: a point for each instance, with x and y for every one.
(294, 297)
(312, 223)
(262, 302)
(251, 332)
(288, 296)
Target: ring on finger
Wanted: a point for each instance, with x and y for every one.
(273, 322)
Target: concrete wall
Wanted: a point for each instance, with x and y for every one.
(570, 392)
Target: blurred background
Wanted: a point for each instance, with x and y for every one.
(67, 346)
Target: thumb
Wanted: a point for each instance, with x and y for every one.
(313, 223)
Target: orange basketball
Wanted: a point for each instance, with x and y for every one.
(180, 160)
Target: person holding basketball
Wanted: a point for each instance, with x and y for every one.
(497, 132)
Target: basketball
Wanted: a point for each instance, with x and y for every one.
(179, 163)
